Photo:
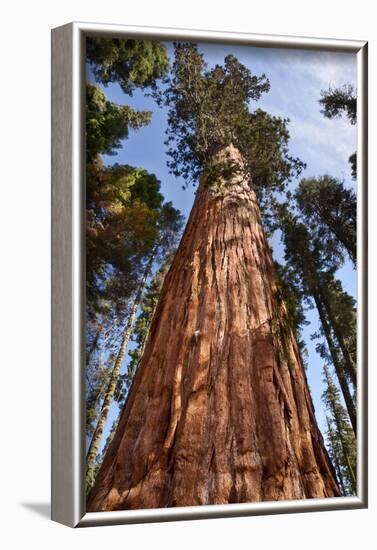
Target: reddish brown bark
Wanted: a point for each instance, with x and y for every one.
(219, 410)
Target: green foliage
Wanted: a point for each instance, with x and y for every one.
(123, 203)
(209, 108)
(343, 307)
(329, 211)
(123, 207)
(311, 268)
(304, 252)
(338, 101)
(108, 123)
(130, 63)
(118, 186)
(340, 436)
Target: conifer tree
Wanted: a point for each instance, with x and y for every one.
(340, 436)
(123, 206)
(219, 410)
(128, 62)
(312, 267)
(95, 395)
(329, 210)
(114, 204)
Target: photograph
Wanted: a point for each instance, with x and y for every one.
(221, 274)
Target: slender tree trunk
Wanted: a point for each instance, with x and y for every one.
(332, 442)
(351, 473)
(92, 400)
(340, 434)
(109, 395)
(214, 415)
(348, 361)
(338, 367)
(162, 273)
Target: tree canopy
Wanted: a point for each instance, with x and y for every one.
(329, 209)
(107, 123)
(210, 108)
(123, 205)
(130, 63)
(338, 101)
(312, 267)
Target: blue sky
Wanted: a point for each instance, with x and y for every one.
(297, 78)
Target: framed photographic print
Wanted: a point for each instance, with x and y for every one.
(209, 274)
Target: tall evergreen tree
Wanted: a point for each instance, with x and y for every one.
(115, 208)
(335, 453)
(219, 410)
(340, 436)
(95, 394)
(313, 269)
(98, 367)
(123, 205)
(329, 210)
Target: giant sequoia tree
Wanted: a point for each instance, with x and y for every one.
(219, 410)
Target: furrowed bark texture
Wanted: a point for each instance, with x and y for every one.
(217, 413)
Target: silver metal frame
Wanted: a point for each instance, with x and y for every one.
(68, 276)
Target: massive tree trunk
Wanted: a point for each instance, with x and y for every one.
(219, 410)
